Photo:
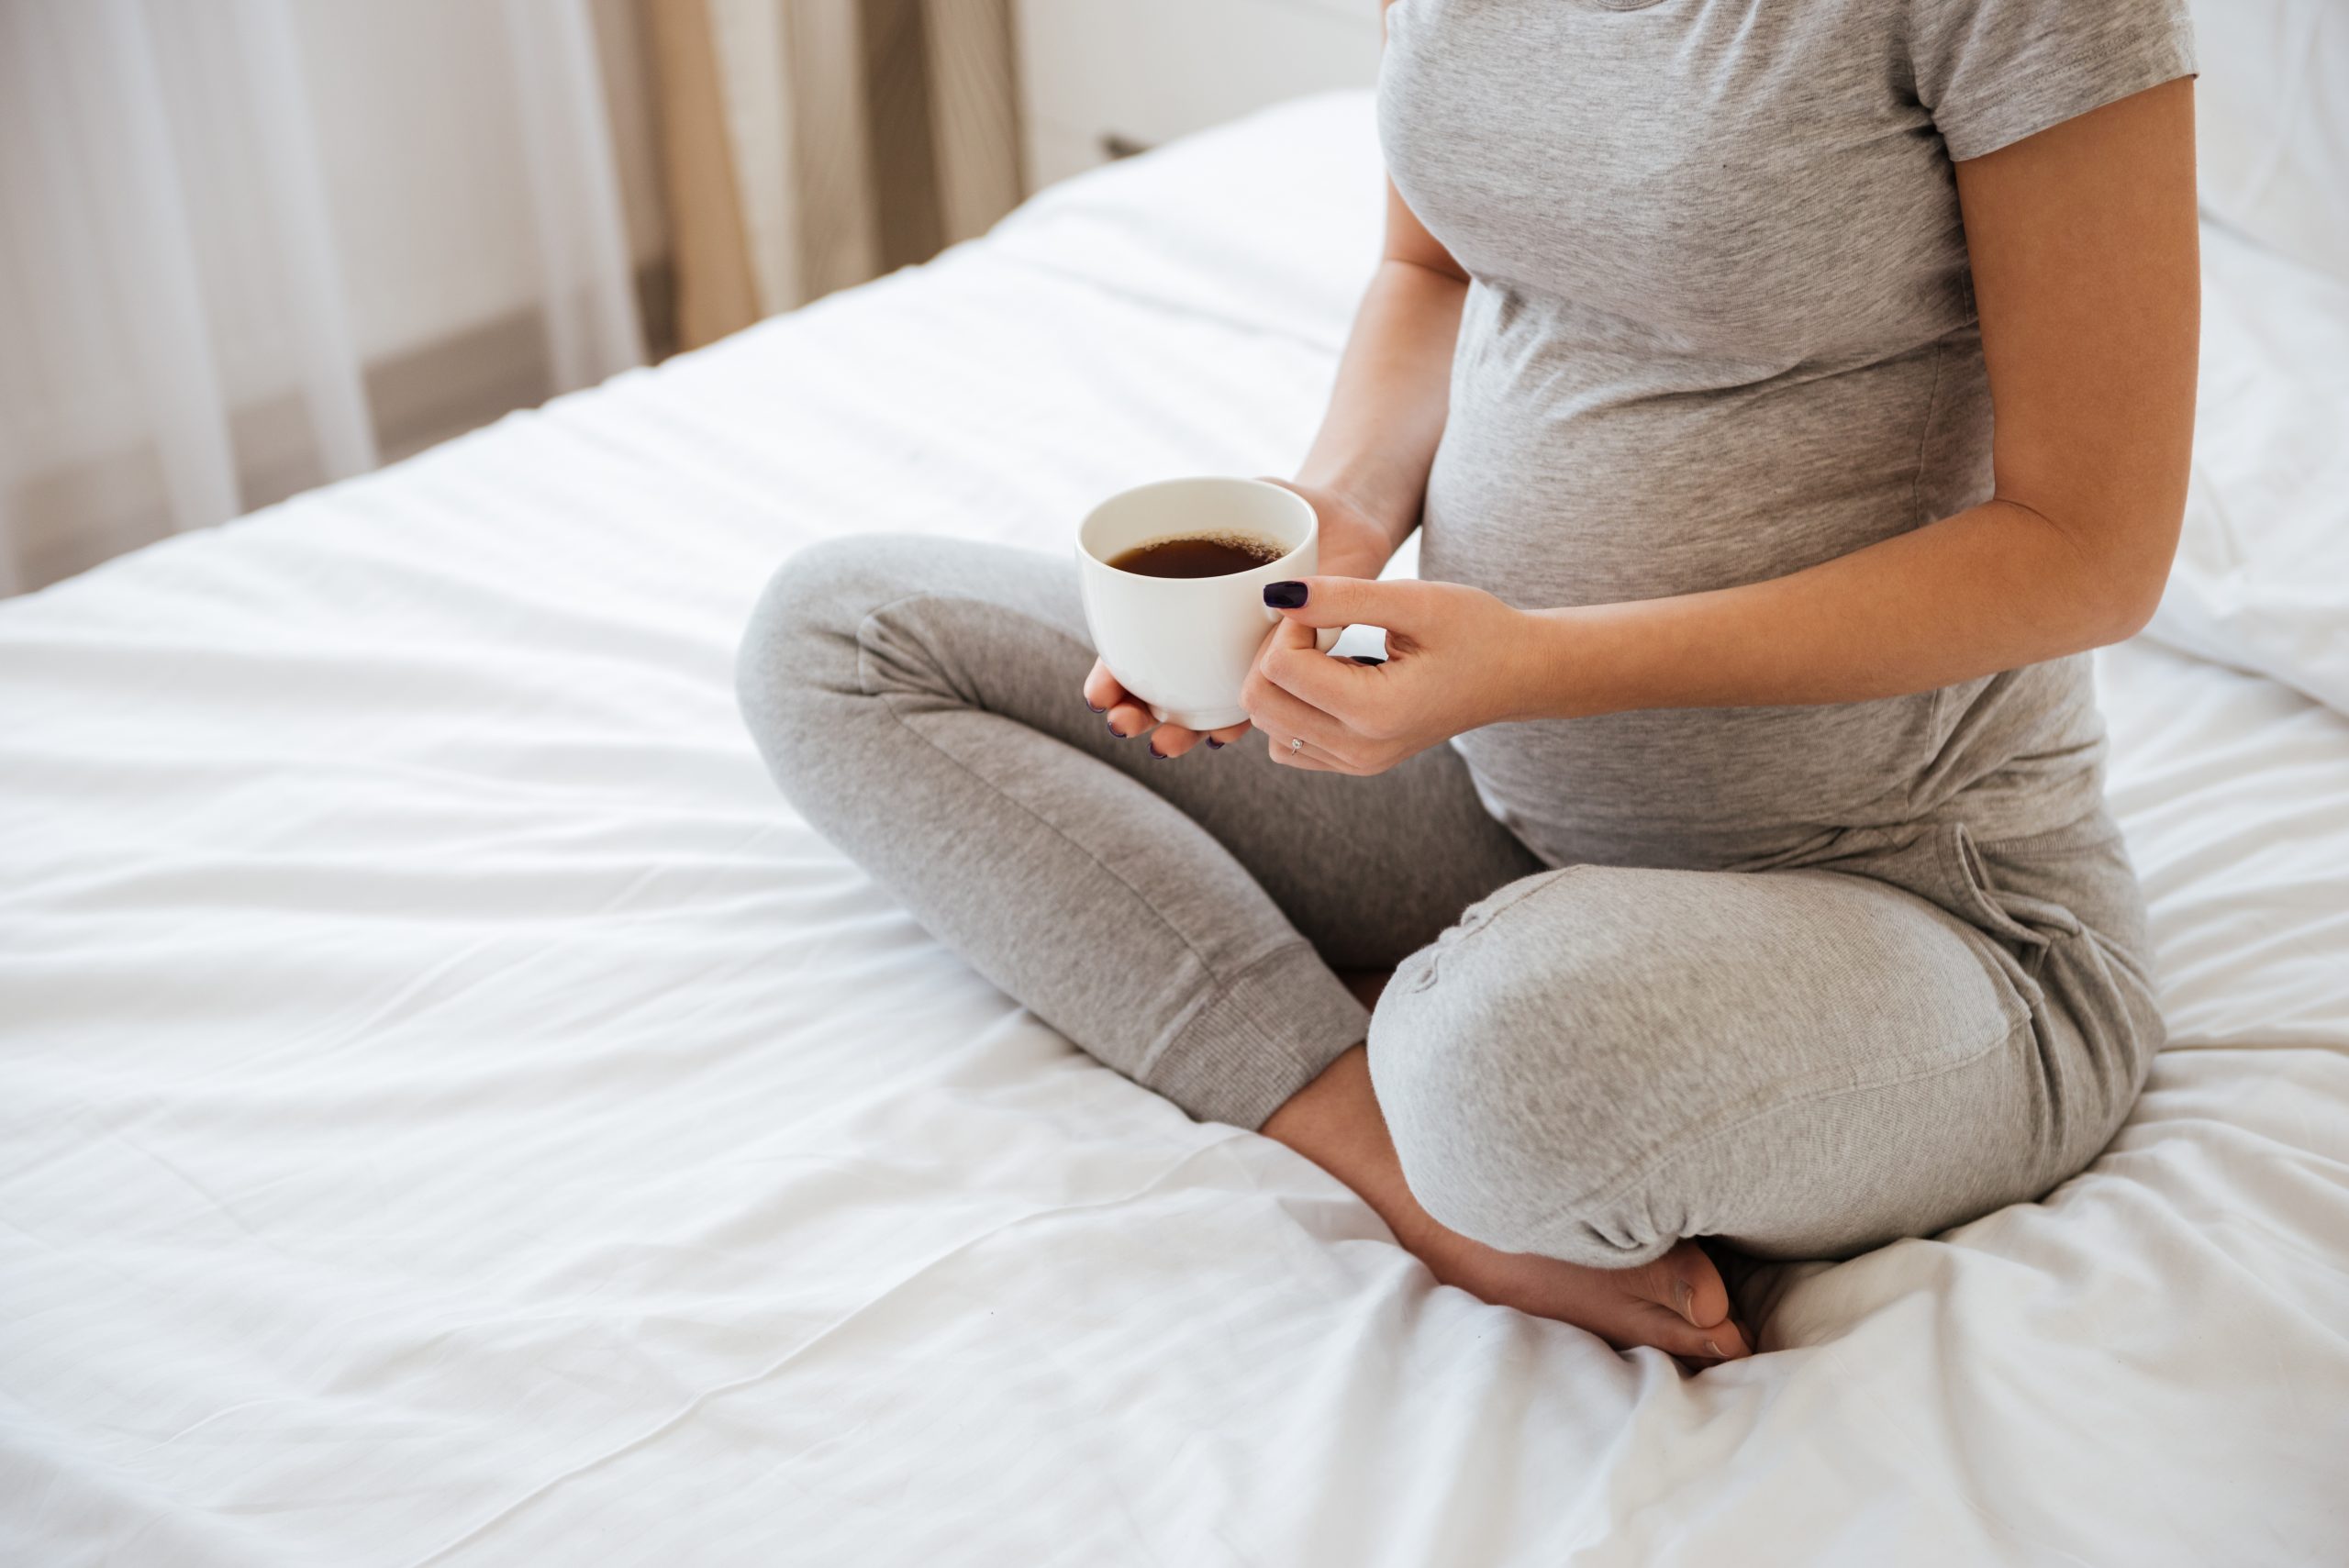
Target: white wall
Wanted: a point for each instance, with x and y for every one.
(1148, 70)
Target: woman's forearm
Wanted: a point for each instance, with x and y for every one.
(1386, 409)
(1992, 588)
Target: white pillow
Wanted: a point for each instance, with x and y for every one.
(2272, 109)
(2261, 579)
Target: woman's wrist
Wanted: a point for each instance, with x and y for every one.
(1390, 514)
(1570, 664)
(1354, 542)
(1345, 553)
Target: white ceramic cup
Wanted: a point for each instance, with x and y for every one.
(1183, 645)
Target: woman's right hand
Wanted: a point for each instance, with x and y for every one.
(1353, 545)
(1128, 718)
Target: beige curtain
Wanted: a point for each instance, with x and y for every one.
(811, 144)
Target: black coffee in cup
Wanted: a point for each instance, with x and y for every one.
(1198, 555)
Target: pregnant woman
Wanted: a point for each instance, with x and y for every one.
(1787, 396)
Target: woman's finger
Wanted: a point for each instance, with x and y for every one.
(1401, 606)
(1129, 718)
(1102, 691)
(1305, 759)
(1219, 739)
(1284, 717)
(1173, 740)
(1291, 662)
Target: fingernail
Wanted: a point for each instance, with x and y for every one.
(1284, 595)
(1365, 659)
(1712, 1347)
(1096, 708)
(1214, 744)
(1117, 732)
(1156, 753)
(1682, 1296)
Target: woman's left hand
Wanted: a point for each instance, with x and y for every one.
(1457, 659)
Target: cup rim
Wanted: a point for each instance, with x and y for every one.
(1313, 526)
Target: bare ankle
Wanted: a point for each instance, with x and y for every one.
(1335, 1122)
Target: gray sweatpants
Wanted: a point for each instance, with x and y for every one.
(1905, 1030)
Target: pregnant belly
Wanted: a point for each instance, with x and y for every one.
(1704, 788)
(1554, 488)
(1564, 478)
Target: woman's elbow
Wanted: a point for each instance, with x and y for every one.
(2127, 580)
(2104, 565)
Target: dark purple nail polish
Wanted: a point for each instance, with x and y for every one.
(1096, 708)
(1156, 753)
(1365, 659)
(1117, 732)
(1214, 744)
(1284, 595)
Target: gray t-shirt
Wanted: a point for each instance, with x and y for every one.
(1720, 329)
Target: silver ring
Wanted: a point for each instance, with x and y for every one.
(1296, 744)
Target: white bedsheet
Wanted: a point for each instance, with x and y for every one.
(451, 1113)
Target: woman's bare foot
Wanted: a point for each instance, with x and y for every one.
(1677, 1304)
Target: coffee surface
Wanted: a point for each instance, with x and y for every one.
(1198, 555)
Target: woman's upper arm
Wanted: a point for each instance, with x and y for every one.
(1407, 239)
(2086, 278)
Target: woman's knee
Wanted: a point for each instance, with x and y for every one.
(1540, 1073)
(798, 660)
(1462, 1152)
(807, 618)
(1506, 1083)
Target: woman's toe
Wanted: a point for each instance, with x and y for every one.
(1685, 1282)
(1660, 1327)
(1696, 1290)
(1725, 1340)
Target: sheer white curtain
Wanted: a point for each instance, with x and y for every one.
(185, 212)
(813, 144)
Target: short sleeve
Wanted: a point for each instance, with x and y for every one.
(1993, 72)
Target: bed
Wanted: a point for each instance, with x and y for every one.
(451, 1112)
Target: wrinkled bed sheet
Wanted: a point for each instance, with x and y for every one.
(451, 1112)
